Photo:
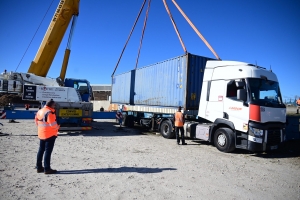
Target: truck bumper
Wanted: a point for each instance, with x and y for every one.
(261, 147)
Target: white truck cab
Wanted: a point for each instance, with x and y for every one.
(244, 104)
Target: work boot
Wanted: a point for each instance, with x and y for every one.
(51, 171)
(184, 143)
(40, 170)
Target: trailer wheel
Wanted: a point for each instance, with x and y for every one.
(166, 129)
(224, 140)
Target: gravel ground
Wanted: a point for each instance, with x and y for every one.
(109, 163)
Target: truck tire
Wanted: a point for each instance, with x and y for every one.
(224, 140)
(166, 129)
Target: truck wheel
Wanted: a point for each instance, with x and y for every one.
(224, 140)
(166, 129)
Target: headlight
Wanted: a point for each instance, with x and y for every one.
(256, 132)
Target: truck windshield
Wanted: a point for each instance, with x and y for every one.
(264, 92)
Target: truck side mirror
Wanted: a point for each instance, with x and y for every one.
(242, 94)
(240, 84)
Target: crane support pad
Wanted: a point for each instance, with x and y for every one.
(20, 114)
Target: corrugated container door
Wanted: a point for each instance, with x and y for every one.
(195, 73)
(121, 88)
(162, 84)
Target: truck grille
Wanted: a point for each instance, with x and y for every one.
(274, 137)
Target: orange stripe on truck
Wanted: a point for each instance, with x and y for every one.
(254, 113)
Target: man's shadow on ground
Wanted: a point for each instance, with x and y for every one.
(144, 170)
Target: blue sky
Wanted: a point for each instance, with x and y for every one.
(266, 32)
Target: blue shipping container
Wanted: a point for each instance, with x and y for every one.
(171, 83)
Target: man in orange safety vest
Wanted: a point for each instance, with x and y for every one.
(179, 122)
(45, 120)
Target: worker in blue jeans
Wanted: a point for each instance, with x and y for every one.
(45, 119)
(179, 122)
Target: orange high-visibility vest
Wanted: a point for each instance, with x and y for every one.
(45, 120)
(179, 121)
(298, 102)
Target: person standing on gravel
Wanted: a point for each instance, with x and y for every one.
(45, 120)
(179, 122)
(119, 117)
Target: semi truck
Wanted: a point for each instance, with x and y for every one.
(231, 104)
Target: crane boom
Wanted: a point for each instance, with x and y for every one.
(65, 10)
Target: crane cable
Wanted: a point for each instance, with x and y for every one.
(175, 27)
(74, 20)
(196, 30)
(129, 37)
(144, 27)
(34, 36)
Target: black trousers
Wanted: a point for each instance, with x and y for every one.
(46, 146)
(177, 134)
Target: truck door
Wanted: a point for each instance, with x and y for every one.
(235, 110)
(214, 108)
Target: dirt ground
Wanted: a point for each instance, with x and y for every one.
(108, 163)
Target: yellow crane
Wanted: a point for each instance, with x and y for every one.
(65, 11)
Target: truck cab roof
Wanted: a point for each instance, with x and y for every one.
(216, 70)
